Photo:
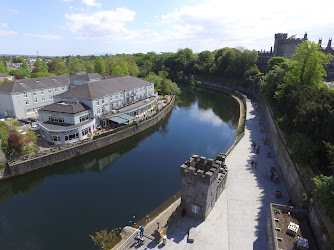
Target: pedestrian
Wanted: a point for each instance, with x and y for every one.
(158, 223)
(255, 164)
(141, 231)
(252, 163)
(254, 145)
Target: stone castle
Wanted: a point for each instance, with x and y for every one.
(285, 46)
(203, 180)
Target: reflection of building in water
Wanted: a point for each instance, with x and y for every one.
(102, 163)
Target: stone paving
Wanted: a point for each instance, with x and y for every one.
(238, 220)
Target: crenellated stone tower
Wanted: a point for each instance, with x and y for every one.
(203, 180)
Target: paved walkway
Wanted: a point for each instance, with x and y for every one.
(238, 220)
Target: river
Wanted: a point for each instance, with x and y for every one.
(57, 207)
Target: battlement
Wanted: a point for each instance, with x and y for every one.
(204, 170)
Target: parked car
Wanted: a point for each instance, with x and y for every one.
(34, 127)
(21, 123)
(32, 119)
(25, 121)
(22, 132)
(2, 119)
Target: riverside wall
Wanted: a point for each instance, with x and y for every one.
(297, 180)
(62, 154)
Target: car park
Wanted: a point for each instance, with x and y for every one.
(25, 121)
(32, 119)
(22, 132)
(34, 127)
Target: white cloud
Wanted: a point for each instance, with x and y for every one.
(13, 11)
(44, 36)
(3, 25)
(7, 33)
(91, 3)
(214, 23)
(66, 1)
(102, 24)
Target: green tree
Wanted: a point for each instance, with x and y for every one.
(3, 69)
(100, 65)
(74, 65)
(308, 65)
(120, 69)
(57, 66)
(324, 192)
(275, 61)
(42, 65)
(18, 59)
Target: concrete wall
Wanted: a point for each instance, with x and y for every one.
(63, 153)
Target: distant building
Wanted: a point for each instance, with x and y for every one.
(24, 97)
(285, 46)
(88, 104)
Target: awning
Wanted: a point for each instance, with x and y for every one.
(118, 120)
(127, 117)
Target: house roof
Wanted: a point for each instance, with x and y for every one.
(3, 75)
(61, 107)
(30, 84)
(97, 89)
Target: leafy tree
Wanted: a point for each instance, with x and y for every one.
(25, 66)
(120, 69)
(104, 239)
(36, 70)
(324, 192)
(3, 69)
(16, 142)
(275, 61)
(39, 74)
(19, 74)
(57, 66)
(42, 65)
(100, 65)
(74, 65)
(18, 59)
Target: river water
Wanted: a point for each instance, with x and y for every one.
(57, 207)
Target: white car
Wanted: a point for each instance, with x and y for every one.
(34, 127)
(22, 132)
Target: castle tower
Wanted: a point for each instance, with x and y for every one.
(279, 38)
(305, 36)
(329, 45)
(320, 41)
(203, 180)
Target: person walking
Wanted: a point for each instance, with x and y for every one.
(252, 163)
(141, 228)
(255, 164)
(254, 145)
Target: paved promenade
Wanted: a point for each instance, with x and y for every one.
(238, 220)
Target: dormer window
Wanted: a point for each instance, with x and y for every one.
(34, 93)
(25, 95)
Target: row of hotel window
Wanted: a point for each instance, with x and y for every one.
(71, 136)
(61, 119)
(42, 93)
(119, 96)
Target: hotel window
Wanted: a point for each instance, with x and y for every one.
(56, 119)
(27, 102)
(34, 93)
(42, 92)
(50, 90)
(43, 98)
(56, 90)
(98, 111)
(35, 100)
(50, 97)
(55, 138)
(102, 109)
(25, 95)
(102, 101)
(97, 103)
(63, 88)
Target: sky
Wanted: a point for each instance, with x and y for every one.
(87, 27)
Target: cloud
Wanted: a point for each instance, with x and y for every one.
(7, 33)
(66, 1)
(102, 24)
(44, 36)
(13, 11)
(215, 24)
(3, 25)
(91, 3)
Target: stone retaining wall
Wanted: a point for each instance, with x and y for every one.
(62, 154)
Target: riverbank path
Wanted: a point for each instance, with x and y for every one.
(238, 220)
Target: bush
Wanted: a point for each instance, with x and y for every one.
(324, 192)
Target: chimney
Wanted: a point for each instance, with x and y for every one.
(305, 36)
(329, 43)
(271, 49)
(320, 41)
